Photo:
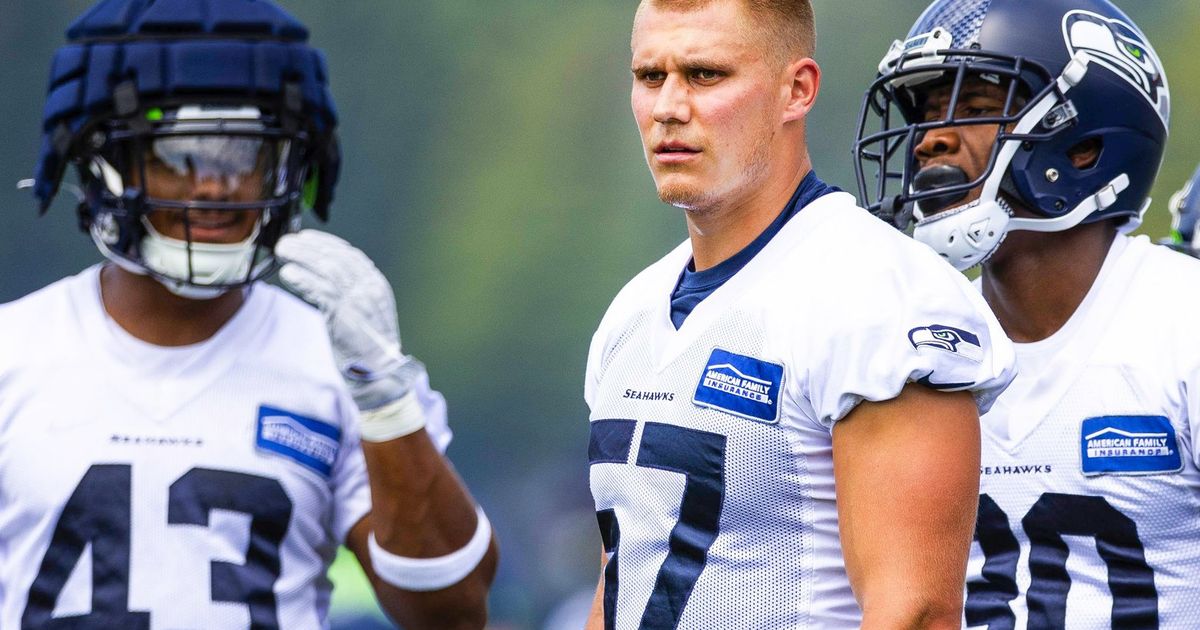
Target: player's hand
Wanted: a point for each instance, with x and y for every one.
(360, 313)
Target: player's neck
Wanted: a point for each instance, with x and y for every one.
(720, 231)
(1038, 280)
(148, 311)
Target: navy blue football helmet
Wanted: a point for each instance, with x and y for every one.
(224, 91)
(1185, 214)
(1076, 73)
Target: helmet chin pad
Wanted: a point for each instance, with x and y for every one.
(202, 266)
(967, 235)
(181, 288)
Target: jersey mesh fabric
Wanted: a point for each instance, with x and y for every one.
(764, 551)
(1114, 365)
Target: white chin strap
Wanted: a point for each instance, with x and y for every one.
(210, 263)
(965, 236)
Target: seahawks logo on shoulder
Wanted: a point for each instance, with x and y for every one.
(1122, 49)
(953, 340)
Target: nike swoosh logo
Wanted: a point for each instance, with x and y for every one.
(928, 382)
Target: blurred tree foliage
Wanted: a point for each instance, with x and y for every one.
(493, 171)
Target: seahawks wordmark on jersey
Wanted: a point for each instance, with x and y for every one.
(1090, 510)
(205, 486)
(711, 447)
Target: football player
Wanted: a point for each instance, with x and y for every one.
(1185, 212)
(180, 442)
(1028, 136)
(784, 429)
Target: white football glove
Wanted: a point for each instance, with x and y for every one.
(360, 316)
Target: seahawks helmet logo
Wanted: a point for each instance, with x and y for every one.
(1122, 49)
(953, 340)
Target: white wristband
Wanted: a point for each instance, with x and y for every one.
(395, 419)
(432, 574)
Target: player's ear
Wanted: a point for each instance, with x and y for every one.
(802, 79)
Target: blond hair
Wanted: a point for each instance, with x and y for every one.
(790, 23)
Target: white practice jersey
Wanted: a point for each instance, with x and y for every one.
(144, 487)
(1090, 510)
(711, 445)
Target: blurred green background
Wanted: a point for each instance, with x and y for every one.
(493, 171)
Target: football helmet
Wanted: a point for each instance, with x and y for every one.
(1074, 72)
(1185, 213)
(192, 115)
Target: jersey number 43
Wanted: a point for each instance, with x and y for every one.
(98, 513)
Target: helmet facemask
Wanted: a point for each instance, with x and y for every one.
(142, 93)
(893, 124)
(1036, 134)
(196, 196)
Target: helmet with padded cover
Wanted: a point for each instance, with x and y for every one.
(224, 89)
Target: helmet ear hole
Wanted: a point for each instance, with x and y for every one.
(1086, 154)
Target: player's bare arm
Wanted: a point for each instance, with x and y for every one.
(422, 510)
(907, 475)
(595, 619)
(426, 546)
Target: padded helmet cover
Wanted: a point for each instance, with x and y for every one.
(124, 56)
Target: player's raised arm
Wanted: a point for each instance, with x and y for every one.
(427, 547)
(907, 475)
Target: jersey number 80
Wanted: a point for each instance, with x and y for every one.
(1054, 515)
